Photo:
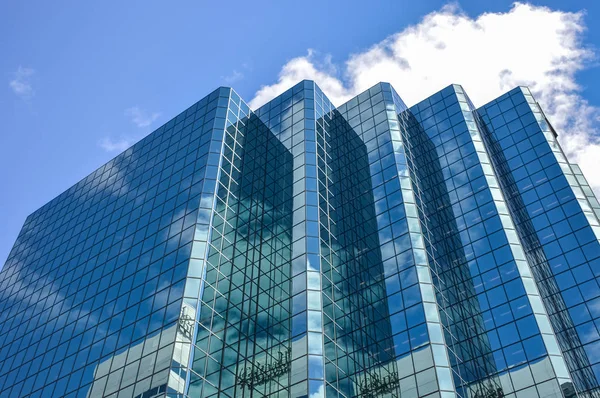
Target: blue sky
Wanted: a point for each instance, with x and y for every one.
(83, 79)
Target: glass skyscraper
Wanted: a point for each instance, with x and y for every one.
(307, 250)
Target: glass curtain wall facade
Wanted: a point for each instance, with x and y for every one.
(305, 250)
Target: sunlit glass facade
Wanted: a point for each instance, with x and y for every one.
(305, 250)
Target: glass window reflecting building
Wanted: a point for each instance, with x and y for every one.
(305, 250)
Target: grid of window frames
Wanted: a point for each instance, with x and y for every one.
(304, 250)
(556, 218)
(416, 363)
(494, 304)
(243, 340)
(358, 335)
(292, 118)
(91, 293)
(450, 282)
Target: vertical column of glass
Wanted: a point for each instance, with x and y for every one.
(590, 208)
(533, 295)
(416, 155)
(531, 290)
(307, 368)
(243, 340)
(183, 381)
(323, 111)
(556, 224)
(417, 242)
(471, 225)
(357, 333)
(459, 308)
(419, 349)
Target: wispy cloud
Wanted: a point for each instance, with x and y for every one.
(118, 145)
(21, 83)
(140, 117)
(233, 77)
(488, 54)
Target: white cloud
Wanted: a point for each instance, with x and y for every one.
(119, 145)
(302, 68)
(233, 77)
(140, 117)
(21, 83)
(487, 55)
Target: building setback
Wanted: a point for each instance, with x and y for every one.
(304, 250)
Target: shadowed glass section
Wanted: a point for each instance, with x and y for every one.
(358, 341)
(243, 341)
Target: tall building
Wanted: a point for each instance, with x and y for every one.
(304, 250)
